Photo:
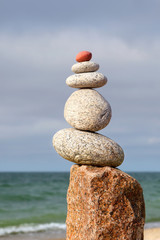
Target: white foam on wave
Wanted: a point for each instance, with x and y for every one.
(152, 225)
(26, 228)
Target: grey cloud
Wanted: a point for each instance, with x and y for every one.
(125, 18)
(33, 78)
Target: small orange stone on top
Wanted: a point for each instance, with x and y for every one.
(83, 56)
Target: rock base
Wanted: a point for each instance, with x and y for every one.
(104, 203)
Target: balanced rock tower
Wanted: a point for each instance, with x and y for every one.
(104, 203)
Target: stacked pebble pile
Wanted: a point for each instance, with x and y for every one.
(87, 111)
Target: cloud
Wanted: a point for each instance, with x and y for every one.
(153, 140)
(29, 129)
(32, 60)
(45, 50)
(35, 66)
(130, 19)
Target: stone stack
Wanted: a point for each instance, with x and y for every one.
(87, 111)
(104, 203)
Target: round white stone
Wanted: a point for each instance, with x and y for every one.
(86, 109)
(83, 67)
(87, 148)
(86, 80)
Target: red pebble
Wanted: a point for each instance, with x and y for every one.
(83, 56)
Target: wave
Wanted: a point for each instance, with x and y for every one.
(152, 225)
(26, 228)
(32, 227)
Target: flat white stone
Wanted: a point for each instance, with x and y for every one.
(86, 109)
(83, 67)
(86, 80)
(88, 148)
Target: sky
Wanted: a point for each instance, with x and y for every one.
(39, 41)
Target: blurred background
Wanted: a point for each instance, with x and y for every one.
(39, 41)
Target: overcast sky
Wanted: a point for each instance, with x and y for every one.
(38, 44)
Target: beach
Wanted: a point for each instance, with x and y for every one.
(152, 234)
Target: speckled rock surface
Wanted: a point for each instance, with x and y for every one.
(86, 80)
(87, 148)
(104, 204)
(83, 67)
(87, 110)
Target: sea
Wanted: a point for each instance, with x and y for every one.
(35, 203)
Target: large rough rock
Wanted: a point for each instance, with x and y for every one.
(88, 148)
(87, 110)
(104, 203)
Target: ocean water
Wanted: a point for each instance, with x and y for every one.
(36, 202)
